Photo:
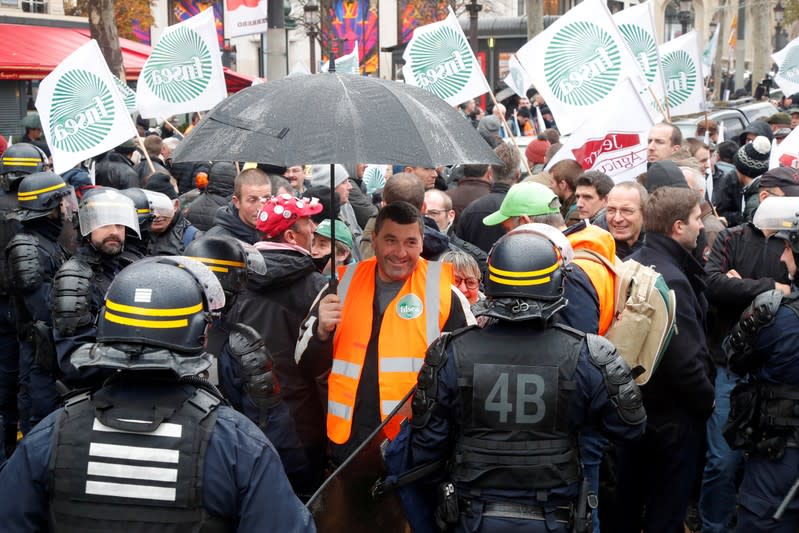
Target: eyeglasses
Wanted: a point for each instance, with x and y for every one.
(625, 212)
(471, 283)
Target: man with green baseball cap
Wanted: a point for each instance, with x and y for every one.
(524, 201)
(321, 247)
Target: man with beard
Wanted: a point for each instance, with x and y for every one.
(81, 283)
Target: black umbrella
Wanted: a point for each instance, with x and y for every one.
(335, 118)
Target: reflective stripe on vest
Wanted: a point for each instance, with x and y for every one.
(411, 321)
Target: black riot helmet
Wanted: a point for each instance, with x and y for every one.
(526, 272)
(149, 204)
(230, 260)
(161, 301)
(18, 161)
(40, 193)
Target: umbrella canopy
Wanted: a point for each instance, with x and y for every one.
(335, 118)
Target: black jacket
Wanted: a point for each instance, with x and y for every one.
(202, 211)
(143, 169)
(727, 194)
(275, 305)
(185, 172)
(115, 170)
(469, 225)
(174, 239)
(746, 250)
(228, 224)
(683, 383)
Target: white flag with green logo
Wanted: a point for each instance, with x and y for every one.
(614, 140)
(637, 27)
(346, 64)
(682, 72)
(184, 71)
(579, 62)
(517, 79)
(709, 53)
(127, 94)
(787, 60)
(438, 58)
(81, 110)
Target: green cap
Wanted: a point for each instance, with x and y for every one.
(343, 234)
(526, 198)
(32, 121)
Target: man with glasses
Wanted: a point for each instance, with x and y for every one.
(625, 216)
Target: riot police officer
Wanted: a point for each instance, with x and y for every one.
(149, 206)
(104, 217)
(34, 255)
(245, 371)
(764, 412)
(501, 406)
(17, 161)
(155, 448)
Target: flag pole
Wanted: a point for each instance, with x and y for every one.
(146, 155)
(512, 138)
(664, 112)
(174, 129)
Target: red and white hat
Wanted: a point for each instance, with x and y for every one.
(280, 212)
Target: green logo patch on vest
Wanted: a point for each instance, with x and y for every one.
(81, 113)
(179, 68)
(442, 62)
(644, 48)
(583, 64)
(409, 307)
(679, 70)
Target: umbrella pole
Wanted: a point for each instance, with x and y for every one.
(510, 136)
(333, 217)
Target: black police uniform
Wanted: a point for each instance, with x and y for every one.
(34, 255)
(764, 413)
(502, 406)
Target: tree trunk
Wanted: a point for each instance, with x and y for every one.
(535, 17)
(721, 46)
(104, 31)
(761, 35)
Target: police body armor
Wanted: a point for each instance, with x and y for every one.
(8, 228)
(764, 417)
(133, 467)
(78, 291)
(515, 432)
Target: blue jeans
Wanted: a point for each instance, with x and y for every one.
(592, 445)
(717, 501)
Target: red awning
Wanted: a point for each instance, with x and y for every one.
(32, 52)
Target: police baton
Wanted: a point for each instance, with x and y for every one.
(786, 500)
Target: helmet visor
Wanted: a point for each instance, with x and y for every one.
(69, 204)
(554, 235)
(206, 279)
(160, 204)
(108, 208)
(255, 261)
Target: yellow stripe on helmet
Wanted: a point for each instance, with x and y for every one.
(24, 195)
(529, 274)
(519, 282)
(212, 261)
(144, 311)
(152, 324)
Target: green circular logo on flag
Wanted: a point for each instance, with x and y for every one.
(441, 62)
(409, 307)
(179, 68)
(679, 71)
(790, 65)
(582, 64)
(644, 48)
(81, 112)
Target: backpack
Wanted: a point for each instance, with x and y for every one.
(644, 313)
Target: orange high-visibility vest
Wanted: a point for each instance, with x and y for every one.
(412, 321)
(603, 280)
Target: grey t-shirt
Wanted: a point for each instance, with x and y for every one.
(385, 291)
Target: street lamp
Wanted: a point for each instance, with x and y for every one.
(474, 8)
(684, 16)
(310, 12)
(779, 16)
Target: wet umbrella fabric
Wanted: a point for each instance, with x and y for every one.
(335, 118)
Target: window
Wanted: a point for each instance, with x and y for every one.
(34, 6)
